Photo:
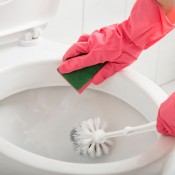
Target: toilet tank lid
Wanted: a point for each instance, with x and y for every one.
(20, 16)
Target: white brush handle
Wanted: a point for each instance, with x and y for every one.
(132, 130)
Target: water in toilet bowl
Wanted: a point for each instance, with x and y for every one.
(40, 120)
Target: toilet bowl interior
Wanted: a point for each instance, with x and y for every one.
(39, 120)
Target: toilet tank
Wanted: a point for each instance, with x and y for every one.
(18, 16)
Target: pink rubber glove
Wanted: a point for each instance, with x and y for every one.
(166, 117)
(118, 45)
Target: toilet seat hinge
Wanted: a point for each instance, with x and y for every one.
(31, 37)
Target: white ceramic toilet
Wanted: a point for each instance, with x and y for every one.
(38, 108)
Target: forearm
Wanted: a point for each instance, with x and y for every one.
(167, 5)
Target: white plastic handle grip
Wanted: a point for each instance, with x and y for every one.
(4, 2)
(132, 130)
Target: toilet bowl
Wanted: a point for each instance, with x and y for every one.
(38, 108)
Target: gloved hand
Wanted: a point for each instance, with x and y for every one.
(166, 117)
(118, 45)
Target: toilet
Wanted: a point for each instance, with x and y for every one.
(38, 108)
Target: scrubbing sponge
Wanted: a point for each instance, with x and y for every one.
(80, 79)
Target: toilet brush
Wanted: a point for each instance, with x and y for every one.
(90, 139)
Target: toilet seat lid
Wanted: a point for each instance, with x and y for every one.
(20, 16)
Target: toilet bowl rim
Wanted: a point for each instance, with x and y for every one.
(28, 158)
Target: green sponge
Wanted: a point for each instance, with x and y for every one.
(80, 79)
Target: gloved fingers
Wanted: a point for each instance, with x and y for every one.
(166, 116)
(77, 63)
(109, 69)
(76, 49)
(86, 60)
(83, 38)
(165, 128)
(81, 47)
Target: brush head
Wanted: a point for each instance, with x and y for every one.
(80, 79)
(88, 138)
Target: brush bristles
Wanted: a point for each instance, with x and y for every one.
(88, 138)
